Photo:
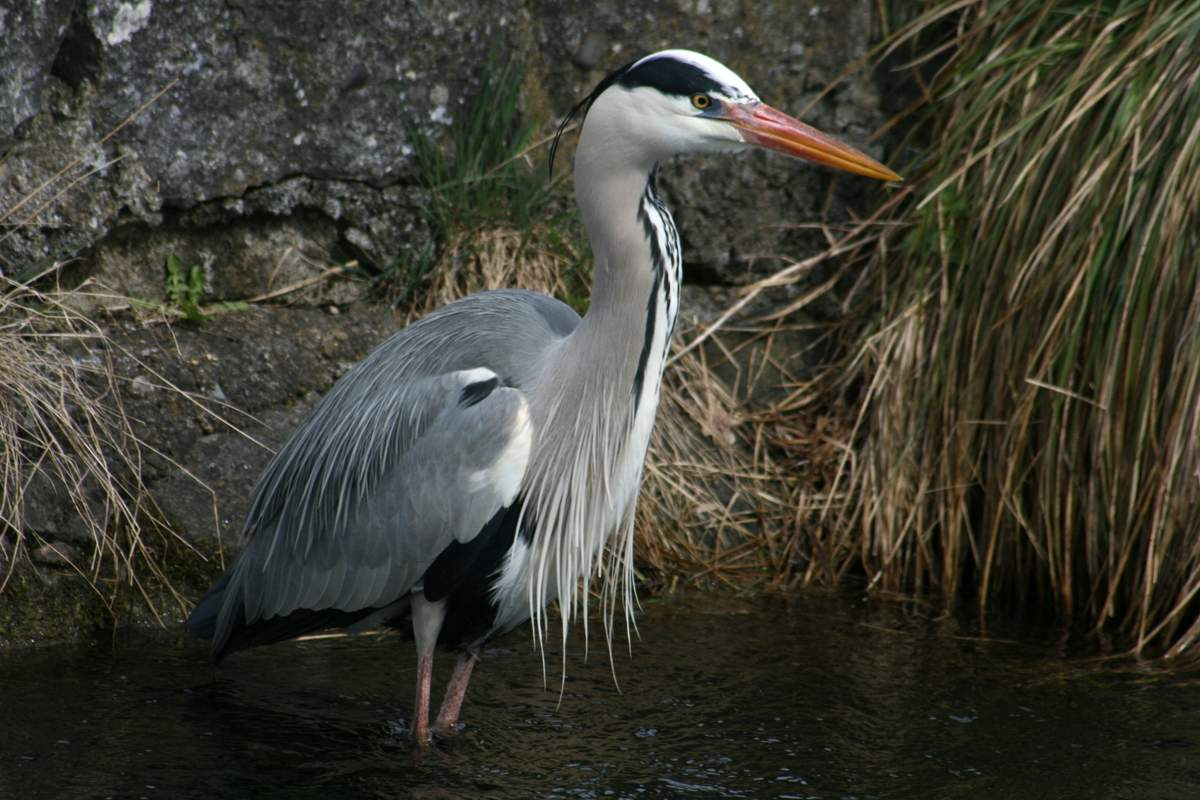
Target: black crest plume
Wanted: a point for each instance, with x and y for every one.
(584, 106)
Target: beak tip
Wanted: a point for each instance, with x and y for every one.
(880, 172)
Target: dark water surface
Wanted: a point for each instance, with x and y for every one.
(764, 698)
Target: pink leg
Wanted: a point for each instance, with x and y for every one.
(427, 620)
(456, 692)
(421, 731)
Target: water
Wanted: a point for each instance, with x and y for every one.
(810, 698)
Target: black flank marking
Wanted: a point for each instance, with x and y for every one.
(670, 76)
(474, 393)
(464, 574)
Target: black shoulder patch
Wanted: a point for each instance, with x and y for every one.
(670, 76)
(474, 393)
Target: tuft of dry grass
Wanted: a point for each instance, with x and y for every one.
(62, 424)
(734, 488)
(63, 427)
(1028, 433)
(477, 260)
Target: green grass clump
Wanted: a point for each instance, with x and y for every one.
(185, 288)
(484, 175)
(1031, 420)
(495, 219)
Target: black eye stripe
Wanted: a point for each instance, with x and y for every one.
(670, 76)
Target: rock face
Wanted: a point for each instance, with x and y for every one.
(252, 377)
(32, 35)
(257, 139)
(196, 114)
(192, 116)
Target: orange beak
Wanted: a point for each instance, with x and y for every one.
(766, 127)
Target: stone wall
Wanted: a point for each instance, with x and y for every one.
(287, 123)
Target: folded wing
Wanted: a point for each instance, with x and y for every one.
(363, 499)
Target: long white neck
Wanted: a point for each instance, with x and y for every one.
(596, 404)
(635, 245)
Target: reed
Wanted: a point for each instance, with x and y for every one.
(1028, 432)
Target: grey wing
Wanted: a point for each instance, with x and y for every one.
(356, 507)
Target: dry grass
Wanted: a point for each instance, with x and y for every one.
(739, 489)
(497, 258)
(723, 500)
(62, 423)
(1029, 431)
(63, 427)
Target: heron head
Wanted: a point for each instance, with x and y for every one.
(680, 101)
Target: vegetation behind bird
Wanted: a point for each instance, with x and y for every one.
(64, 431)
(494, 219)
(1030, 426)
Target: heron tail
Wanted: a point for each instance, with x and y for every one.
(202, 622)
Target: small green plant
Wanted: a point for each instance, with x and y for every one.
(185, 287)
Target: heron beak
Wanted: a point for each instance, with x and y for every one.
(767, 127)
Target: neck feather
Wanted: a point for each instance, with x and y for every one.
(635, 246)
(597, 403)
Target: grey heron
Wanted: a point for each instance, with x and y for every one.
(486, 459)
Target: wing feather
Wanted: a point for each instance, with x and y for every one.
(389, 468)
(423, 468)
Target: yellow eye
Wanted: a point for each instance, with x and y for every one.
(701, 101)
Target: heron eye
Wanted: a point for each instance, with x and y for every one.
(701, 101)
